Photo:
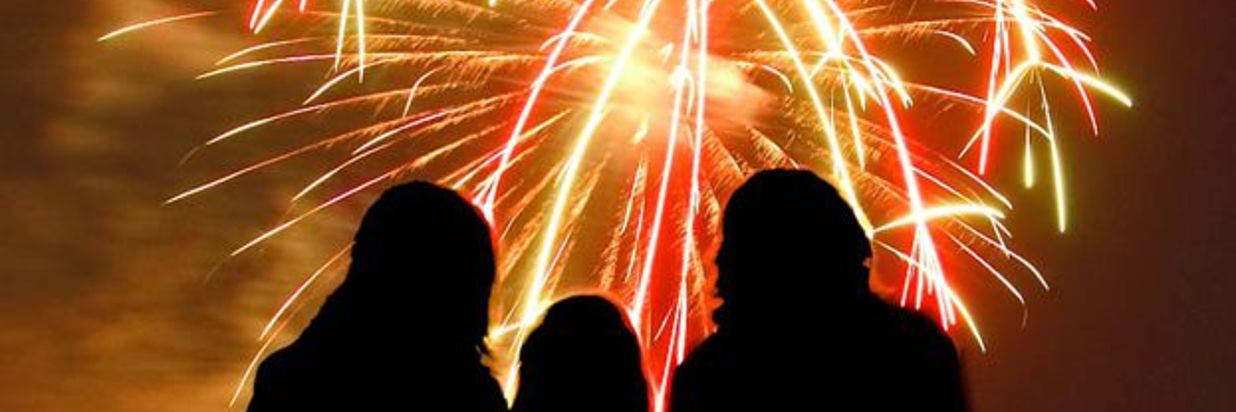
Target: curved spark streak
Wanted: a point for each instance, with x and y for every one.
(152, 23)
(947, 211)
(287, 303)
(566, 181)
(514, 106)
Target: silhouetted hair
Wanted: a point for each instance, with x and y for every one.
(406, 328)
(798, 327)
(419, 242)
(778, 224)
(583, 357)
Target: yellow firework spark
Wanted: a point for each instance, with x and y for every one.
(601, 138)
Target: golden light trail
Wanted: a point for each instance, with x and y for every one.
(152, 23)
(839, 168)
(295, 296)
(534, 94)
(533, 298)
(565, 122)
(939, 212)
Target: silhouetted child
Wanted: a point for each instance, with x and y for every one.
(798, 328)
(405, 330)
(583, 358)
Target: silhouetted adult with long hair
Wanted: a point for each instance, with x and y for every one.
(406, 329)
(798, 328)
(583, 358)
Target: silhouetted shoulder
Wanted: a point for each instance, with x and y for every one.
(711, 379)
(798, 327)
(405, 330)
(687, 390)
(920, 332)
(926, 359)
(276, 379)
(488, 399)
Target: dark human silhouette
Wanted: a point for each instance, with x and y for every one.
(798, 328)
(406, 329)
(583, 358)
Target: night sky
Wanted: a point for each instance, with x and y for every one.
(110, 301)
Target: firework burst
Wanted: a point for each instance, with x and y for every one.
(602, 137)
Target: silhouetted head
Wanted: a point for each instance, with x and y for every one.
(583, 357)
(788, 238)
(422, 264)
(414, 303)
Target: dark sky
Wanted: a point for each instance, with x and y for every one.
(104, 304)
